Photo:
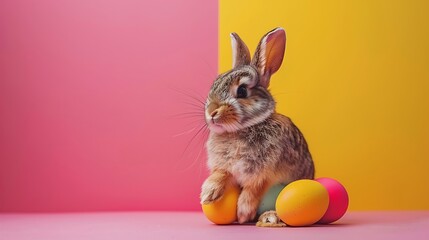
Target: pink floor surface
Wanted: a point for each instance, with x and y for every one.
(193, 225)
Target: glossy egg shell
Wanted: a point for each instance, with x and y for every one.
(268, 201)
(302, 203)
(223, 210)
(338, 200)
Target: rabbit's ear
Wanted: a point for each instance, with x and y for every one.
(269, 55)
(240, 52)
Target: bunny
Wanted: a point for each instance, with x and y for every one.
(250, 144)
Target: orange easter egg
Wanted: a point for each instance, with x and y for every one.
(223, 210)
(302, 203)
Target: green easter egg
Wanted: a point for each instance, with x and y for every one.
(268, 202)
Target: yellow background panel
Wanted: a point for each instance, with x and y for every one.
(355, 79)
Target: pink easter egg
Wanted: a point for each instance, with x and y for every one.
(338, 200)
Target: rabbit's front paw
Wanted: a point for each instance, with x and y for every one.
(246, 208)
(211, 191)
(245, 215)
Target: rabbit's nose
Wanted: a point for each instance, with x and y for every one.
(214, 113)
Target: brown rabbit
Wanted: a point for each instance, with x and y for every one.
(249, 143)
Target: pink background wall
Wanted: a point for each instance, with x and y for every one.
(88, 94)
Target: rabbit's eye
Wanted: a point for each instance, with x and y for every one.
(242, 91)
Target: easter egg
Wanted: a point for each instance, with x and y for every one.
(302, 203)
(338, 200)
(223, 210)
(268, 201)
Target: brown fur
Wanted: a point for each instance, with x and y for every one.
(250, 144)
